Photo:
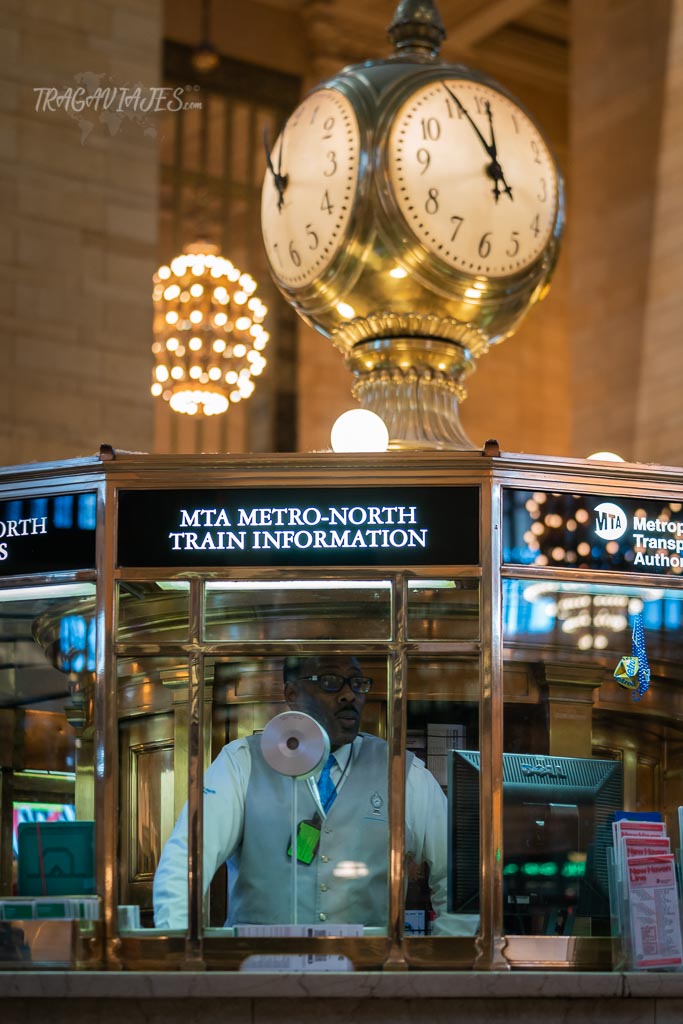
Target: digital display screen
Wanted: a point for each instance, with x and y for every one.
(299, 527)
(47, 534)
(592, 531)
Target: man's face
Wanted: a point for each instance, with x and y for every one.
(338, 713)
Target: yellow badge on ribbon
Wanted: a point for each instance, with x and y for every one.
(626, 672)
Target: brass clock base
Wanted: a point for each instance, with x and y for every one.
(415, 385)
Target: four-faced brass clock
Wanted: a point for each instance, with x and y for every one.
(412, 211)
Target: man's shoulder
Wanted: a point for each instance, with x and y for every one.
(376, 743)
(370, 739)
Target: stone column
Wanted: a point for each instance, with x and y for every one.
(659, 413)
(570, 709)
(625, 288)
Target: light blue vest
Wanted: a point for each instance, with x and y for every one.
(347, 880)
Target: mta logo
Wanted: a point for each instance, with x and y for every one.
(610, 521)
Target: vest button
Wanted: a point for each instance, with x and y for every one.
(323, 888)
(323, 917)
(328, 830)
(324, 859)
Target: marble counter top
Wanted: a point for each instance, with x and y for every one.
(358, 985)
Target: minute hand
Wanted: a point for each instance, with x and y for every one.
(489, 149)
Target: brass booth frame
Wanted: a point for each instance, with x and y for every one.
(111, 473)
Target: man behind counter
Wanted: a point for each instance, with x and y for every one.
(247, 818)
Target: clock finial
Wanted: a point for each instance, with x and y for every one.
(417, 28)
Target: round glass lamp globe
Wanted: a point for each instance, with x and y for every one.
(605, 457)
(359, 430)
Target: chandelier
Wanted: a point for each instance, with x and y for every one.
(589, 613)
(208, 332)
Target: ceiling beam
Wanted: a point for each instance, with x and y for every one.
(466, 34)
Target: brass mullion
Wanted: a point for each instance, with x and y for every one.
(396, 722)
(490, 941)
(194, 943)
(106, 728)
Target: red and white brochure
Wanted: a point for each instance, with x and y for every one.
(643, 846)
(654, 915)
(636, 828)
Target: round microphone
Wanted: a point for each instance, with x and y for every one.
(295, 744)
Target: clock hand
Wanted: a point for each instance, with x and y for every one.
(280, 180)
(494, 170)
(474, 125)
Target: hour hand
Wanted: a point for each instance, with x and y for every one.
(280, 180)
(494, 170)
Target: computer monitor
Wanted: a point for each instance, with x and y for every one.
(557, 826)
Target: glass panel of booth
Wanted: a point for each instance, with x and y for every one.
(153, 716)
(267, 777)
(593, 732)
(297, 610)
(47, 674)
(152, 610)
(442, 835)
(275, 774)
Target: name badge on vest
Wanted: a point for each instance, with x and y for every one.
(307, 840)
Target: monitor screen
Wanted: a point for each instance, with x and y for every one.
(557, 827)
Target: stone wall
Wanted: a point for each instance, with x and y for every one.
(78, 228)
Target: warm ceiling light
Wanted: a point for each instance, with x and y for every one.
(196, 358)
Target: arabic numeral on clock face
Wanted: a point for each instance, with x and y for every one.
(484, 245)
(432, 201)
(535, 149)
(457, 221)
(449, 108)
(328, 125)
(431, 128)
(424, 159)
(325, 203)
(294, 255)
(313, 239)
(332, 164)
(514, 245)
(536, 225)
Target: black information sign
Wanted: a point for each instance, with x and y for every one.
(349, 526)
(47, 534)
(593, 531)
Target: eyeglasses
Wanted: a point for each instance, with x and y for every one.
(334, 683)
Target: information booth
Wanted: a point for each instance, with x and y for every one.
(148, 606)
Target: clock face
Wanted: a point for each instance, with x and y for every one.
(473, 177)
(309, 191)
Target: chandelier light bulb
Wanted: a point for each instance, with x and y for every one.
(359, 430)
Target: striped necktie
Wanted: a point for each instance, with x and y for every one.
(326, 787)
